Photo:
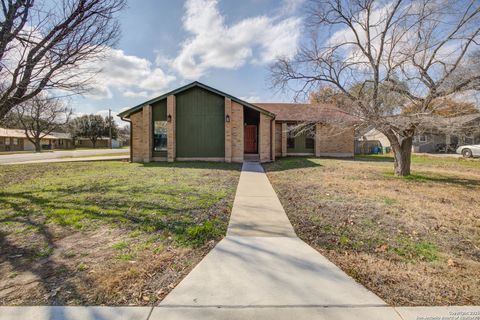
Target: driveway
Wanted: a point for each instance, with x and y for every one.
(33, 157)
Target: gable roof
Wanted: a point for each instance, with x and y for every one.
(127, 113)
(306, 112)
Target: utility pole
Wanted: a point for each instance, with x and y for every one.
(110, 126)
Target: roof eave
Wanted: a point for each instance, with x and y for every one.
(126, 114)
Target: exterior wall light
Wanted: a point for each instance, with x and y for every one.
(169, 118)
(227, 118)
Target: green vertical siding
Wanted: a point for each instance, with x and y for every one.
(300, 145)
(159, 113)
(200, 126)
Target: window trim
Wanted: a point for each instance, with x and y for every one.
(165, 127)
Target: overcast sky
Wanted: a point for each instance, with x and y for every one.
(165, 44)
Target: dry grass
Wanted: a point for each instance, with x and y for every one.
(107, 232)
(413, 241)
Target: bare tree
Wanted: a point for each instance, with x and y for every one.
(94, 127)
(40, 116)
(390, 59)
(45, 45)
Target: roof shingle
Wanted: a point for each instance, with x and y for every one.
(306, 112)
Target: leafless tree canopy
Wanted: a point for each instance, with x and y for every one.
(40, 116)
(43, 45)
(390, 60)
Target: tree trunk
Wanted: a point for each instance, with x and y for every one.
(402, 153)
(38, 146)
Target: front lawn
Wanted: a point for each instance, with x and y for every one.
(107, 232)
(412, 241)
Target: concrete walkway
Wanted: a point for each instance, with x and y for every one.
(263, 270)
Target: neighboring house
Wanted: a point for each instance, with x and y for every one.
(62, 140)
(197, 122)
(16, 140)
(453, 132)
(102, 142)
(369, 140)
(12, 140)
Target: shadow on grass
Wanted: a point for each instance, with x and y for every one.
(194, 165)
(186, 212)
(418, 177)
(373, 158)
(290, 163)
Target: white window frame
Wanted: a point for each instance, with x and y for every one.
(422, 140)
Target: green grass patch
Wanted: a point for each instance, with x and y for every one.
(421, 250)
(44, 252)
(390, 201)
(120, 245)
(126, 257)
(199, 234)
(181, 200)
(290, 163)
(435, 161)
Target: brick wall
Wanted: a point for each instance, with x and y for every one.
(278, 139)
(147, 133)
(137, 136)
(284, 139)
(264, 137)
(236, 123)
(334, 141)
(273, 140)
(171, 129)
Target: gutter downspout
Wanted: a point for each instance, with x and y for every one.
(131, 137)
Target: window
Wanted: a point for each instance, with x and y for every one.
(422, 138)
(1, 141)
(7, 141)
(290, 137)
(160, 136)
(310, 140)
(15, 141)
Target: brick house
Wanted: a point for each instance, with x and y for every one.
(16, 140)
(198, 122)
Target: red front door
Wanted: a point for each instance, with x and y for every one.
(250, 138)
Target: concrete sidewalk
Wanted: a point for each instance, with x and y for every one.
(80, 159)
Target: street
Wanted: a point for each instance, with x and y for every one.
(28, 157)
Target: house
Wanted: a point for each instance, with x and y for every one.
(369, 139)
(452, 132)
(12, 140)
(16, 140)
(198, 122)
(102, 142)
(61, 140)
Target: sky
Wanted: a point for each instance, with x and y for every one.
(165, 44)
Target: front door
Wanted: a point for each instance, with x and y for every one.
(250, 138)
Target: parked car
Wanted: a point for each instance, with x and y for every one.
(468, 151)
